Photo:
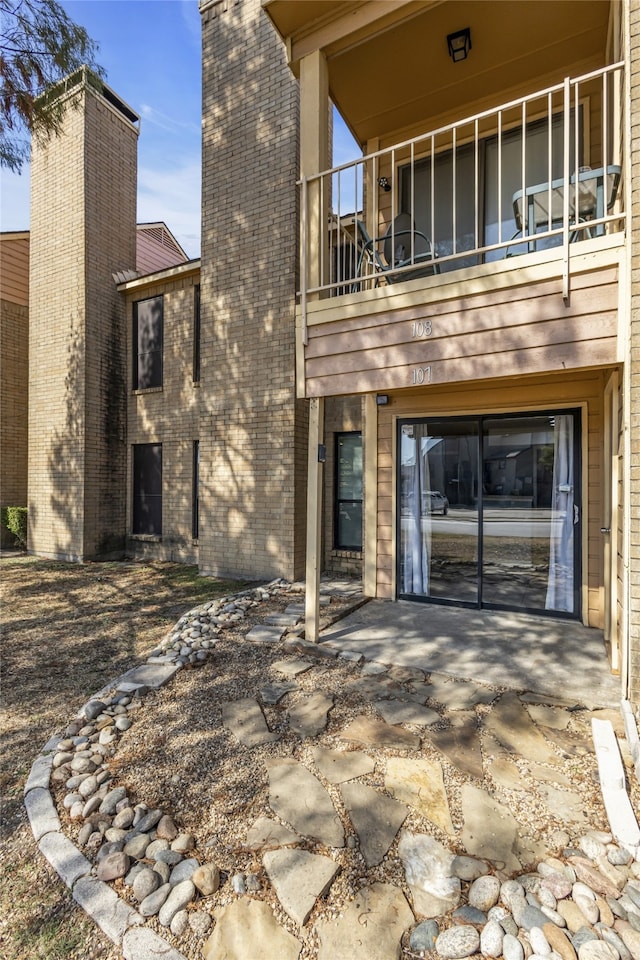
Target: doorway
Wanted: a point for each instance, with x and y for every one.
(489, 511)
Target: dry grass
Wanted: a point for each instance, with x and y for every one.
(67, 630)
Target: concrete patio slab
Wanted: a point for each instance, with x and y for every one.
(561, 658)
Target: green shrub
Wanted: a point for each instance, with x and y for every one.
(15, 520)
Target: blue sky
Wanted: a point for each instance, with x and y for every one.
(151, 53)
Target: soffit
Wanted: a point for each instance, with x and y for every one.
(389, 66)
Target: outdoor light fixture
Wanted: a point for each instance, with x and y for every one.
(382, 399)
(383, 183)
(459, 44)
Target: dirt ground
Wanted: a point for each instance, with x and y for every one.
(66, 630)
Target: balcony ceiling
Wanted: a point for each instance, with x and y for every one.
(389, 67)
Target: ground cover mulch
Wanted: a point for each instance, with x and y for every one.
(67, 629)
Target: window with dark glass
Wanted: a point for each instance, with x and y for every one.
(195, 491)
(147, 343)
(147, 489)
(196, 333)
(348, 492)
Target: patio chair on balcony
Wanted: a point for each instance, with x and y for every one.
(402, 246)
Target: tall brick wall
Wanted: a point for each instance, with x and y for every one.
(634, 354)
(252, 429)
(83, 206)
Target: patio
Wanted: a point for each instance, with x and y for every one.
(554, 658)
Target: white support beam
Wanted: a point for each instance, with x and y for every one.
(314, 520)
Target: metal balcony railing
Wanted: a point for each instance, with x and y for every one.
(542, 171)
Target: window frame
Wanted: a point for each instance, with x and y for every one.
(140, 492)
(338, 501)
(195, 490)
(156, 377)
(196, 333)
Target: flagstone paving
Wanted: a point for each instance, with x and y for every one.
(340, 814)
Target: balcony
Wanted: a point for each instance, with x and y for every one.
(537, 175)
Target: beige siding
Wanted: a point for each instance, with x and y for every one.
(14, 268)
(633, 467)
(516, 330)
(571, 390)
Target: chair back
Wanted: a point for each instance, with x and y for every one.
(398, 241)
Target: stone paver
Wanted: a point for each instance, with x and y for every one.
(245, 720)
(370, 928)
(299, 879)
(406, 711)
(273, 693)
(376, 819)
(266, 834)
(420, 783)
(308, 717)
(456, 694)
(336, 766)
(153, 675)
(263, 633)
(380, 734)
(460, 743)
(489, 828)
(291, 668)
(300, 799)
(248, 930)
(512, 726)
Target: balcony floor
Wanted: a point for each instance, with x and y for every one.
(555, 658)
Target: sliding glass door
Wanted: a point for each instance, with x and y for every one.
(489, 511)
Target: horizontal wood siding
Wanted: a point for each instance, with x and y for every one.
(14, 268)
(572, 389)
(515, 330)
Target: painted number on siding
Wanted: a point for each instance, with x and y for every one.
(420, 375)
(421, 328)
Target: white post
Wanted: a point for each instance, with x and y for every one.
(314, 520)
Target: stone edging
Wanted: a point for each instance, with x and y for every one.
(116, 918)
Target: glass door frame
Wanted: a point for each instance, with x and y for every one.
(480, 604)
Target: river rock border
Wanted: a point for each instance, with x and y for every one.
(595, 886)
(78, 758)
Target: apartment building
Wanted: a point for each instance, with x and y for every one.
(473, 279)
(419, 367)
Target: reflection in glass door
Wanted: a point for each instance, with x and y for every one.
(489, 511)
(439, 509)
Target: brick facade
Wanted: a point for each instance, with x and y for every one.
(252, 429)
(168, 415)
(83, 216)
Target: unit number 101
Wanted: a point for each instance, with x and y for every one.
(420, 375)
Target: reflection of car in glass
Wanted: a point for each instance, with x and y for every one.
(435, 502)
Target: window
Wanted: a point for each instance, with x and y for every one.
(147, 489)
(348, 498)
(196, 333)
(195, 491)
(147, 343)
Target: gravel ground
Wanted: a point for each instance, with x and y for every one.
(67, 629)
(82, 626)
